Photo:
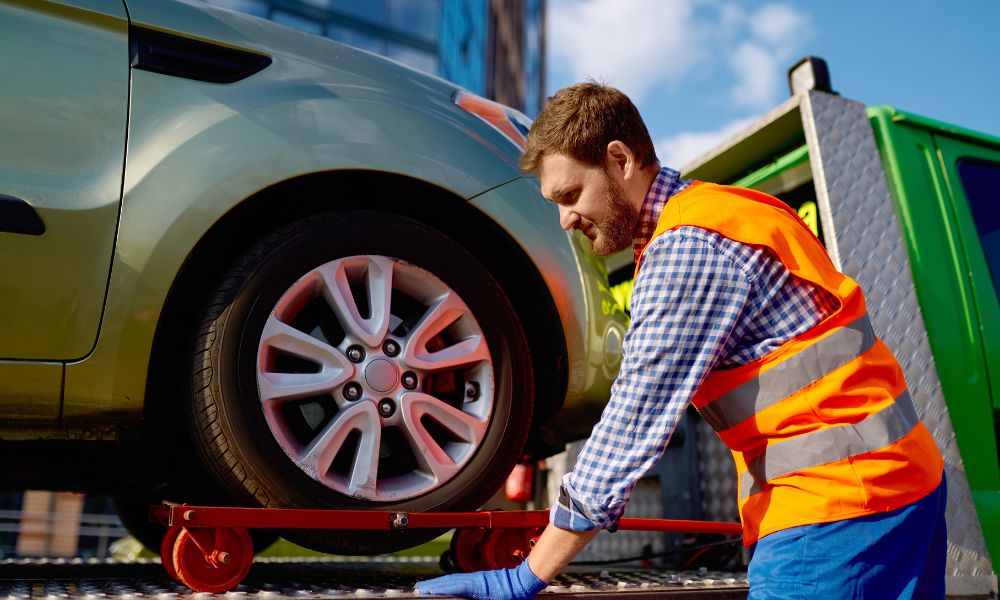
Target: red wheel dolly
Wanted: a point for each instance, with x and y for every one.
(208, 548)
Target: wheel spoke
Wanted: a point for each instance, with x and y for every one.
(446, 311)
(378, 287)
(363, 476)
(467, 352)
(335, 369)
(448, 308)
(431, 456)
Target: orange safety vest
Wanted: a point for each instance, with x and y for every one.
(823, 428)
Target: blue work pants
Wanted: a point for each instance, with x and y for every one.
(889, 556)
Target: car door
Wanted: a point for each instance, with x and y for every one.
(64, 77)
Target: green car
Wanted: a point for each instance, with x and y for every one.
(243, 264)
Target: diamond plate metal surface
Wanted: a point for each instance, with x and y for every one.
(645, 501)
(863, 238)
(717, 477)
(330, 578)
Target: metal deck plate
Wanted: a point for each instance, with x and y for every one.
(362, 577)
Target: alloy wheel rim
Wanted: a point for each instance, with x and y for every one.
(375, 378)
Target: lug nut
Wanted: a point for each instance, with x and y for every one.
(409, 380)
(472, 390)
(390, 347)
(356, 354)
(386, 407)
(352, 391)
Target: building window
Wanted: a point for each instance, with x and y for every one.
(492, 47)
(505, 81)
(356, 38)
(298, 21)
(372, 11)
(258, 8)
(416, 17)
(418, 59)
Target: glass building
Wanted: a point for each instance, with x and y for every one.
(494, 48)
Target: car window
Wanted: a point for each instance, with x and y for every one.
(981, 180)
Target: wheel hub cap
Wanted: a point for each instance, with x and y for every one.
(381, 375)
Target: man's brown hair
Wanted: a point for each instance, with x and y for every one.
(581, 120)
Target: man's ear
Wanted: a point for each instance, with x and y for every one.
(619, 155)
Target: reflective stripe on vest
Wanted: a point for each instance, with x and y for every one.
(829, 445)
(798, 371)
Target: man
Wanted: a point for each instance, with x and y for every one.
(737, 309)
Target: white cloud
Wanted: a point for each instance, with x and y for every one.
(758, 62)
(636, 45)
(780, 26)
(678, 150)
(730, 16)
(756, 69)
(649, 46)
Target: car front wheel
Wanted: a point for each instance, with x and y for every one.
(360, 360)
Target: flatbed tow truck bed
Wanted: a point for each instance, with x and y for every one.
(333, 577)
(207, 552)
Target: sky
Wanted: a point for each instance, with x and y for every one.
(700, 70)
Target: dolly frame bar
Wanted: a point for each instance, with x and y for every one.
(183, 515)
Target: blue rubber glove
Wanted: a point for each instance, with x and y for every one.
(518, 583)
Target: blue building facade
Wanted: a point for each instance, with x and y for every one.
(494, 48)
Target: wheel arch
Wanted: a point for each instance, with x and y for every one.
(305, 195)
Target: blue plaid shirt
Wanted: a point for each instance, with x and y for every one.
(699, 302)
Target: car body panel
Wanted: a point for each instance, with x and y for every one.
(592, 320)
(197, 150)
(312, 81)
(28, 392)
(63, 109)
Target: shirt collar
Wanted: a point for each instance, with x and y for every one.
(667, 183)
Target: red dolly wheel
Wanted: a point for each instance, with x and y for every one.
(167, 551)
(212, 560)
(467, 549)
(507, 547)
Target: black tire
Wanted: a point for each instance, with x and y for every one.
(225, 412)
(133, 512)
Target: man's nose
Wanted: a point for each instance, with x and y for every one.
(568, 218)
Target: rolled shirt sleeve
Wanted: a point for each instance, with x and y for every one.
(687, 306)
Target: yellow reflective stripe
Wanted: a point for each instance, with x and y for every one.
(824, 446)
(807, 366)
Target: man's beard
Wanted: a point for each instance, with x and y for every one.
(617, 230)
